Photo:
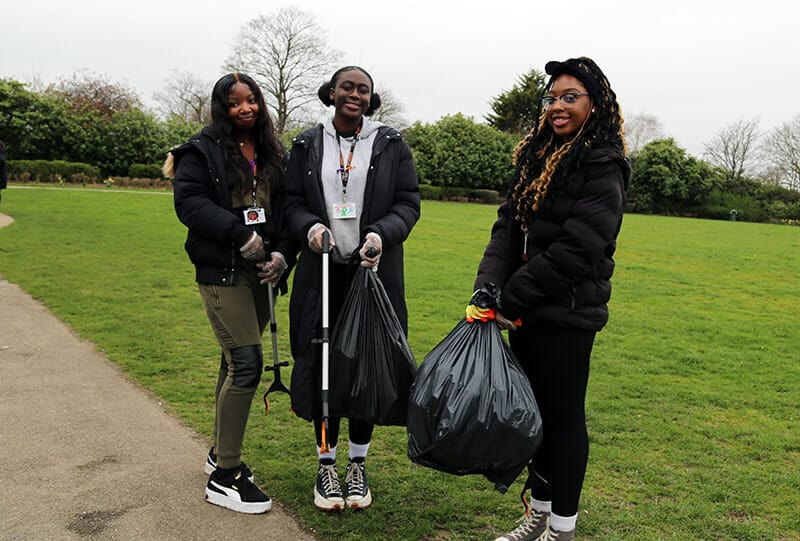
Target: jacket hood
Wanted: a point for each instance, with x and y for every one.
(611, 153)
(207, 134)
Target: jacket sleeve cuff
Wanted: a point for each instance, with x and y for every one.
(240, 235)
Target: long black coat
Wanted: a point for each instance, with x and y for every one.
(571, 244)
(391, 208)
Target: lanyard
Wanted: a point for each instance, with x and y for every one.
(255, 184)
(344, 170)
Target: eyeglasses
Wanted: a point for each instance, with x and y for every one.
(567, 99)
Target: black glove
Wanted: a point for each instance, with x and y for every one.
(486, 297)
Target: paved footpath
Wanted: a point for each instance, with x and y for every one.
(86, 454)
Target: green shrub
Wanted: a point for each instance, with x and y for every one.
(426, 191)
(454, 193)
(489, 197)
(719, 204)
(52, 171)
(138, 182)
(144, 170)
(458, 152)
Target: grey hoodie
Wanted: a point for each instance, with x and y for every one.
(346, 231)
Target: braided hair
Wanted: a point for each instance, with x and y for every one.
(542, 161)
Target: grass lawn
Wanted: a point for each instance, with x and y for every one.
(694, 397)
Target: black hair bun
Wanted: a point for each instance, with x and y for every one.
(324, 94)
(554, 67)
(374, 104)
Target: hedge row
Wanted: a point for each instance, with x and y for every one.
(450, 193)
(145, 170)
(53, 171)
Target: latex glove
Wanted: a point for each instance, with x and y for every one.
(272, 270)
(253, 249)
(374, 245)
(506, 324)
(315, 237)
(474, 312)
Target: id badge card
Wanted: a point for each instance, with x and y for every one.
(344, 211)
(254, 215)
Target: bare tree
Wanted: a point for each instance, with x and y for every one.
(287, 54)
(781, 150)
(640, 129)
(185, 96)
(391, 110)
(733, 148)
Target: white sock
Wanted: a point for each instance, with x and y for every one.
(563, 524)
(540, 506)
(358, 450)
(330, 454)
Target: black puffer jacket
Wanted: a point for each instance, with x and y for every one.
(216, 230)
(571, 244)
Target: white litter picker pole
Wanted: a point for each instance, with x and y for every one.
(326, 250)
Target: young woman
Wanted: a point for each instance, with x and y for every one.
(551, 253)
(229, 192)
(354, 179)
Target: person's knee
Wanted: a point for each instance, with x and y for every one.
(248, 362)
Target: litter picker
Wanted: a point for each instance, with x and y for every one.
(277, 384)
(326, 252)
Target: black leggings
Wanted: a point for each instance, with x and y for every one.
(556, 361)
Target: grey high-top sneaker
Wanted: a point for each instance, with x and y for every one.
(533, 524)
(554, 535)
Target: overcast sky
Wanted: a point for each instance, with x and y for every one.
(695, 65)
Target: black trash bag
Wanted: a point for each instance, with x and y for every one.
(372, 367)
(472, 409)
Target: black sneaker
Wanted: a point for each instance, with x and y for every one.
(231, 489)
(211, 465)
(327, 491)
(356, 487)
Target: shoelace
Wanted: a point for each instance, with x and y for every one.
(529, 522)
(354, 479)
(330, 480)
(549, 535)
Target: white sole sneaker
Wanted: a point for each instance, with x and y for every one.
(360, 503)
(327, 504)
(230, 499)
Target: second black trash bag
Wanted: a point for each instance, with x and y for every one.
(372, 367)
(472, 409)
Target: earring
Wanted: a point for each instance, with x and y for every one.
(594, 110)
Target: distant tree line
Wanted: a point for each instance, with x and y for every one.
(90, 120)
(86, 119)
